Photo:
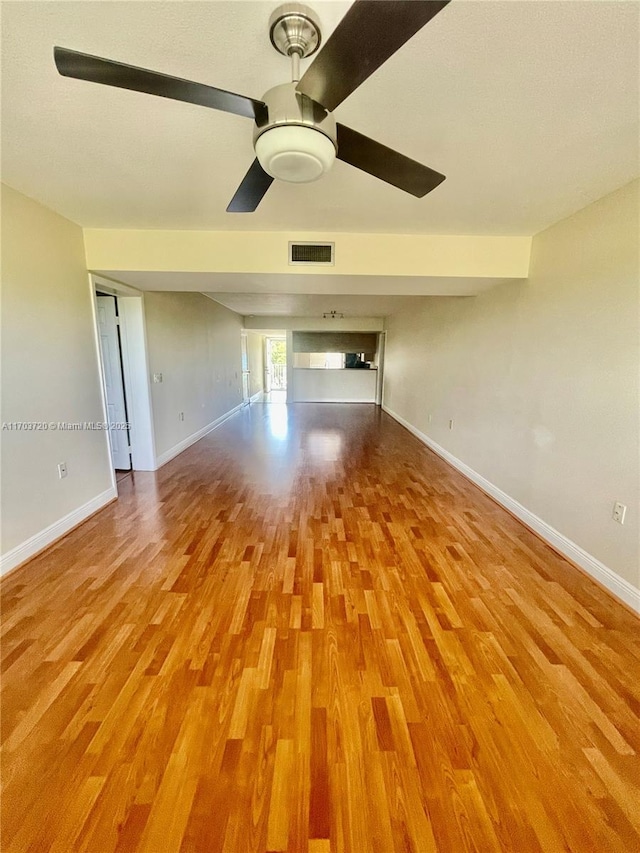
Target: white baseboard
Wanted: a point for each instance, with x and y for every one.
(256, 397)
(196, 436)
(23, 552)
(621, 588)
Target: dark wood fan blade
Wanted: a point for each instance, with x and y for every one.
(83, 66)
(251, 191)
(370, 32)
(385, 163)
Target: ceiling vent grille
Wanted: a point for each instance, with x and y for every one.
(321, 254)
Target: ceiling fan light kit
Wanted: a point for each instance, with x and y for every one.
(296, 141)
(296, 137)
(296, 154)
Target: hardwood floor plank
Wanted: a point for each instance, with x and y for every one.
(320, 642)
(281, 793)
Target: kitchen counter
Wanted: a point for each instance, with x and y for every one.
(334, 385)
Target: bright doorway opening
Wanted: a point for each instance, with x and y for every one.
(275, 364)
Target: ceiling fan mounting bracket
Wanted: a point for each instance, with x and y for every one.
(294, 29)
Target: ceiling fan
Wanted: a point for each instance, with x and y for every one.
(295, 136)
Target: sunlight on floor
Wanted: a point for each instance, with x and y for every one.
(278, 420)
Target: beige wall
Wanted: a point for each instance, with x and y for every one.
(195, 343)
(255, 357)
(314, 324)
(541, 380)
(446, 255)
(49, 373)
(334, 342)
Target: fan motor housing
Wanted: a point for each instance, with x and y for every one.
(295, 139)
(286, 106)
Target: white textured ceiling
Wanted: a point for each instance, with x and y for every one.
(530, 108)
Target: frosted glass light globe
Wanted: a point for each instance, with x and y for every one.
(295, 153)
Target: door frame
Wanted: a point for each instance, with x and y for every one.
(266, 372)
(135, 368)
(382, 343)
(246, 373)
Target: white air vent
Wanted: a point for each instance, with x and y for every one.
(319, 254)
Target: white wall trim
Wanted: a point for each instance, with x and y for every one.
(255, 397)
(165, 457)
(620, 587)
(32, 546)
(113, 286)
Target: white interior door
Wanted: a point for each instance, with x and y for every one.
(114, 386)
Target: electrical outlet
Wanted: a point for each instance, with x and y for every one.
(157, 377)
(619, 512)
(62, 470)
(451, 424)
(429, 419)
(180, 416)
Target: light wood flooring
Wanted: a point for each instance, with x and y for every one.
(308, 633)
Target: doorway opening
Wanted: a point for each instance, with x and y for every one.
(275, 363)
